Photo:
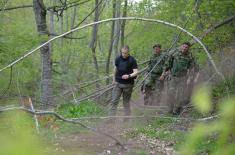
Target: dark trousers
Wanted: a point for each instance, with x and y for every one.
(178, 94)
(152, 83)
(125, 90)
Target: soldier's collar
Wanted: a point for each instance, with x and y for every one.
(157, 54)
(184, 54)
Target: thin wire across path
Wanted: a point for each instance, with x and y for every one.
(114, 19)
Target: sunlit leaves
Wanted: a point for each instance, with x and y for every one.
(201, 100)
(214, 137)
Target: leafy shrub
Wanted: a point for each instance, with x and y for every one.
(221, 89)
(85, 108)
(214, 137)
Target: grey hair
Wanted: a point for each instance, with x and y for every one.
(126, 47)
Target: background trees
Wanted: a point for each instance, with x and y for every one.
(72, 61)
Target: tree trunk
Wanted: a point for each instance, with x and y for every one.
(123, 24)
(62, 30)
(117, 29)
(46, 82)
(93, 42)
(111, 42)
(52, 27)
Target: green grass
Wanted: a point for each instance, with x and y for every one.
(50, 126)
(160, 128)
(157, 128)
(141, 153)
(85, 108)
(207, 146)
(224, 88)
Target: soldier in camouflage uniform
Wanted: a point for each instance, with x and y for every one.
(180, 65)
(154, 79)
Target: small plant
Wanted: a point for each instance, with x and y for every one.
(83, 109)
(215, 137)
(18, 137)
(157, 128)
(222, 89)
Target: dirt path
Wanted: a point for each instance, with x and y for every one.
(96, 144)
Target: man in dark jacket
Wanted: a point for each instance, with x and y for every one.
(125, 72)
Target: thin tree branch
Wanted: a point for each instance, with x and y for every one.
(67, 6)
(55, 8)
(92, 11)
(9, 84)
(77, 120)
(214, 27)
(66, 37)
(121, 18)
(17, 7)
(63, 119)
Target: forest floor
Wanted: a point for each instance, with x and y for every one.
(139, 136)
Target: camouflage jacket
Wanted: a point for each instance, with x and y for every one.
(156, 58)
(179, 63)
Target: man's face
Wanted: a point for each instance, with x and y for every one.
(184, 48)
(157, 50)
(125, 53)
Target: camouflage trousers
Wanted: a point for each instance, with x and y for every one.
(178, 94)
(125, 90)
(153, 84)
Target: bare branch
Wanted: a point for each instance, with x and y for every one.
(92, 11)
(151, 116)
(50, 8)
(77, 120)
(63, 119)
(17, 7)
(212, 28)
(66, 37)
(121, 18)
(69, 5)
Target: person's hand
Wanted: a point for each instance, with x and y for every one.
(142, 88)
(168, 72)
(196, 78)
(162, 77)
(143, 91)
(188, 81)
(125, 76)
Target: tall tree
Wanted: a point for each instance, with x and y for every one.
(46, 79)
(111, 42)
(117, 29)
(123, 23)
(93, 42)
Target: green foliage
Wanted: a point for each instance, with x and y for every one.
(158, 128)
(224, 88)
(201, 100)
(85, 108)
(72, 59)
(141, 152)
(17, 137)
(151, 132)
(213, 137)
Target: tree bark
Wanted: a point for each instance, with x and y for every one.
(111, 43)
(52, 27)
(93, 42)
(46, 81)
(117, 29)
(123, 24)
(62, 30)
